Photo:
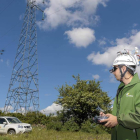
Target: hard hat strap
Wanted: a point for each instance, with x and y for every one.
(122, 74)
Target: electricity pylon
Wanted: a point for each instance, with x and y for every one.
(23, 92)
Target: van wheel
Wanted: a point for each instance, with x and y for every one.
(11, 132)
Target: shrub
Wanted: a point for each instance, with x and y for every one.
(55, 125)
(87, 126)
(71, 125)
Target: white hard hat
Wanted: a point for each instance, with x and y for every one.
(128, 59)
(125, 59)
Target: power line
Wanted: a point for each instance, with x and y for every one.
(10, 43)
(8, 31)
(7, 6)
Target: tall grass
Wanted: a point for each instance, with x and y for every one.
(44, 134)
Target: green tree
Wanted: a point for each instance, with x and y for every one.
(82, 100)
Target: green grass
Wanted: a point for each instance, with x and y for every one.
(44, 134)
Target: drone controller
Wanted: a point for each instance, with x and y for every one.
(97, 119)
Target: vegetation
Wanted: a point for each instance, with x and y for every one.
(81, 102)
(40, 133)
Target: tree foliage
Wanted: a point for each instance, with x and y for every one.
(83, 99)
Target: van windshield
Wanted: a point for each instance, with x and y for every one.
(13, 120)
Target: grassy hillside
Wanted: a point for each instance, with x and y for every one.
(44, 134)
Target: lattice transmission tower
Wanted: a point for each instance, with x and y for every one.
(23, 92)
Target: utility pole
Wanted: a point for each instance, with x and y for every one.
(23, 92)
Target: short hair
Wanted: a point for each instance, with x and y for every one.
(130, 70)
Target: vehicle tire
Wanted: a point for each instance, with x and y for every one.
(11, 132)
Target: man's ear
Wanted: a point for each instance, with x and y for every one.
(124, 68)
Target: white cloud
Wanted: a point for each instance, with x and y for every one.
(112, 42)
(102, 41)
(81, 37)
(135, 24)
(21, 110)
(9, 108)
(96, 76)
(110, 53)
(134, 31)
(39, 1)
(70, 12)
(52, 109)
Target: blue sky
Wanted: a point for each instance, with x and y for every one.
(76, 37)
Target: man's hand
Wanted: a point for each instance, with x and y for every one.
(111, 121)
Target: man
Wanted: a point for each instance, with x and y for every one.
(125, 117)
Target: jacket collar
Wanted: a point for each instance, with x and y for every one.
(134, 80)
